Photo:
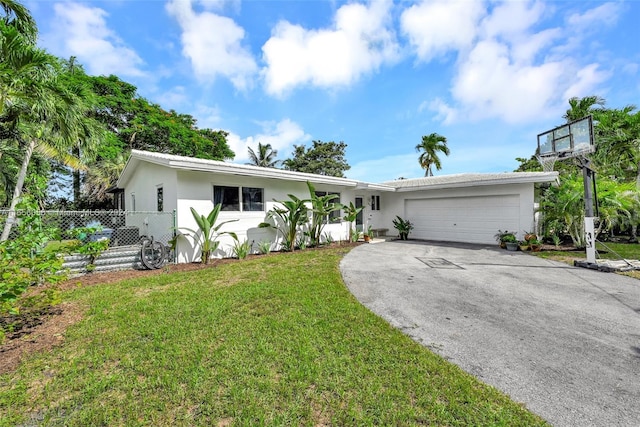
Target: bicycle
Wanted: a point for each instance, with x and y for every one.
(153, 254)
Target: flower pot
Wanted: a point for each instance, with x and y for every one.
(524, 248)
(512, 246)
(367, 238)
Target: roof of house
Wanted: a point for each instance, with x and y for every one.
(432, 182)
(471, 179)
(195, 164)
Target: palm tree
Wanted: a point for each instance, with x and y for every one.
(582, 107)
(430, 146)
(50, 117)
(18, 17)
(102, 176)
(265, 157)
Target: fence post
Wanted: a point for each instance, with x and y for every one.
(175, 237)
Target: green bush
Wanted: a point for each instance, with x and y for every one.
(24, 262)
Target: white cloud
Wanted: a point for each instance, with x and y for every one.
(512, 68)
(359, 42)
(82, 31)
(585, 80)
(606, 14)
(281, 135)
(512, 19)
(213, 44)
(436, 27)
(490, 84)
(444, 112)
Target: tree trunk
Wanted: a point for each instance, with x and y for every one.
(17, 192)
(76, 181)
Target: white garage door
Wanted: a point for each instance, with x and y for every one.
(463, 219)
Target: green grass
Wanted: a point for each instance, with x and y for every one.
(275, 340)
(606, 250)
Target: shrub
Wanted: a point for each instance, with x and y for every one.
(403, 226)
(264, 247)
(24, 262)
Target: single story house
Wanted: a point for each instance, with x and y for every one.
(455, 208)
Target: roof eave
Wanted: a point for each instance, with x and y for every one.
(542, 178)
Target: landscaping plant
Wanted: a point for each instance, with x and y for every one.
(240, 249)
(321, 207)
(83, 244)
(403, 226)
(24, 262)
(208, 232)
(350, 214)
(264, 247)
(288, 218)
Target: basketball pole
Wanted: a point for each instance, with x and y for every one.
(589, 218)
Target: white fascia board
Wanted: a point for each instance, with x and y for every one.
(258, 172)
(215, 166)
(374, 187)
(525, 178)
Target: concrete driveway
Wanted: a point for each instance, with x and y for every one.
(564, 341)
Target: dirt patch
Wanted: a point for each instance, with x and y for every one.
(38, 333)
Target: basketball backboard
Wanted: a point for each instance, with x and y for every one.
(569, 140)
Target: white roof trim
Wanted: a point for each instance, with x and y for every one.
(195, 164)
(426, 183)
(471, 180)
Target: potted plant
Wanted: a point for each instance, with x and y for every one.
(535, 245)
(368, 235)
(523, 245)
(502, 237)
(404, 227)
(510, 241)
(530, 235)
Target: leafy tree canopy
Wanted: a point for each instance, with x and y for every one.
(323, 158)
(617, 139)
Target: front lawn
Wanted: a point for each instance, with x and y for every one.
(275, 340)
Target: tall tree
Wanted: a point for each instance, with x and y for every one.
(265, 157)
(582, 107)
(85, 149)
(17, 16)
(430, 146)
(324, 158)
(51, 118)
(617, 134)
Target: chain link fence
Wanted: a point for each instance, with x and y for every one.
(122, 228)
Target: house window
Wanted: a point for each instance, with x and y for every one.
(250, 199)
(334, 216)
(228, 197)
(160, 198)
(375, 203)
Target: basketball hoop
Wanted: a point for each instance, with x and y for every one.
(548, 161)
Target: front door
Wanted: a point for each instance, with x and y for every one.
(360, 216)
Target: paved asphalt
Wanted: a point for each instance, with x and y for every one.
(565, 341)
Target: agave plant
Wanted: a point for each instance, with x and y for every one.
(208, 232)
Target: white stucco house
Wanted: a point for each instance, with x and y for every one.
(455, 208)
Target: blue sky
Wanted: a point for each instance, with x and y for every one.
(377, 75)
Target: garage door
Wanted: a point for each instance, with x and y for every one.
(463, 219)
